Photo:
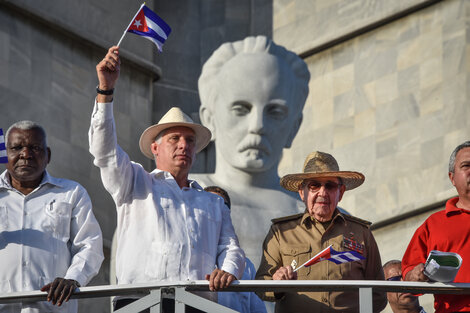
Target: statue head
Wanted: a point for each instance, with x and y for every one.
(252, 96)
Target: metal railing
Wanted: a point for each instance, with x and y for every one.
(152, 293)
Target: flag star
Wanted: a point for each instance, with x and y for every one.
(137, 23)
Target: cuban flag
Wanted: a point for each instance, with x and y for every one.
(3, 149)
(332, 255)
(149, 25)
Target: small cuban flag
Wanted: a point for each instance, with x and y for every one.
(3, 149)
(332, 255)
(149, 25)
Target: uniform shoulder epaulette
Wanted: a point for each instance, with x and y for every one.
(287, 218)
(357, 220)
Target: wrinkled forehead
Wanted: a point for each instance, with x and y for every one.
(33, 135)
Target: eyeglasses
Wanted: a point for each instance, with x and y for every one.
(394, 278)
(315, 185)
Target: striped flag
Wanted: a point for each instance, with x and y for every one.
(149, 25)
(332, 255)
(3, 149)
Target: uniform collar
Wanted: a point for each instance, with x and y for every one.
(46, 179)
(451, 207)
(308, 220)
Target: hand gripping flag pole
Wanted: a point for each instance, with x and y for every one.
(149, 25)
(334, 256)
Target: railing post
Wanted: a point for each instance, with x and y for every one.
(365, 300)
(157, 296)
(180, 306)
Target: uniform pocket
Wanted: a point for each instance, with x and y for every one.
(298, 255)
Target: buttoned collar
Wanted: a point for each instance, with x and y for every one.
(46, 179)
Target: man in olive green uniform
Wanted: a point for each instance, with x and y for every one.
(293, 240)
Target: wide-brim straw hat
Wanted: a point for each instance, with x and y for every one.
(175, 117)
(320, 164)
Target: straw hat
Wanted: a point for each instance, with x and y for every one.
(320, 164)
(173, 118)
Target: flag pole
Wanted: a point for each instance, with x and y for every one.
(316, 255)
(125, 31)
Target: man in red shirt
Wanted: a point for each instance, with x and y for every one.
(447, 230)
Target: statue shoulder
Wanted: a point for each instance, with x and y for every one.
(357, 220)
(287, 218)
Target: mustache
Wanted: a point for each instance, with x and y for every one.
(255, 142)
(322, 199)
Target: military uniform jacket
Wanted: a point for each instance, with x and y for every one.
(295, 239)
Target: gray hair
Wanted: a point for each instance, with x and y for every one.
(466, 144)
(26, 125)
(390, 263)
(159, 137)
(208, 80)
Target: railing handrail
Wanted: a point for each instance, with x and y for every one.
(249, 285)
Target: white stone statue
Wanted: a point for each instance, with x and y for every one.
(252, 95)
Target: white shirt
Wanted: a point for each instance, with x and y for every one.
(48, 233)
(244, 302)
(164, 233)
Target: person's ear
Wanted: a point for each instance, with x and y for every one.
(154, 148)
(451, 177)
(342, 189)
(207, 119)
(48, 155)
(293, 131)
(301, 193)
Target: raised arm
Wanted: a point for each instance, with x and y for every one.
(113, 162)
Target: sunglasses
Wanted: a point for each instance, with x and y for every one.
(315, 185)
(394, 278)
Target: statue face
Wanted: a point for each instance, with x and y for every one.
(253, 118)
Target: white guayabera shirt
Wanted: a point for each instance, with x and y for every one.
(48, 233)
(164, 233)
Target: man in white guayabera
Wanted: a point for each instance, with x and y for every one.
(168, 228)
(252, 95)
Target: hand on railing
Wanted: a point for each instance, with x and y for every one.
(219, 279)
(60, 290)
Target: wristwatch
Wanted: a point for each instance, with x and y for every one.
(104, 92)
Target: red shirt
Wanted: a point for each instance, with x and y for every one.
(447, 230)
